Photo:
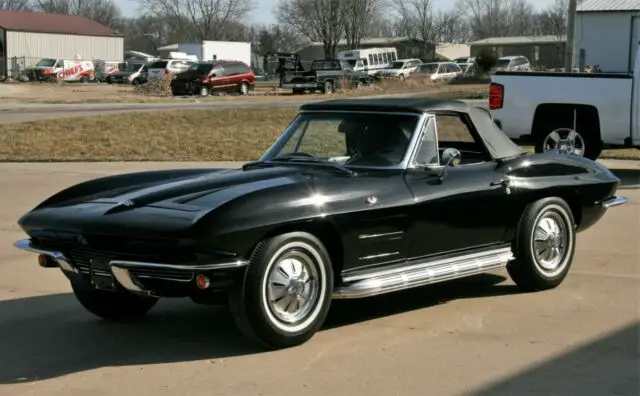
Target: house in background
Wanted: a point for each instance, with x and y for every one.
(28, 37)
(453, 51)
(542, 51)
(609, 33)
(406, 47)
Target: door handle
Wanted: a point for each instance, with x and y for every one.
(500, 182)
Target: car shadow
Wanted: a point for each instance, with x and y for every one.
(49, 336)
(607, 366)
(629, 178)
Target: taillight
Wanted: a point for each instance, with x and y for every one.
(496, 96)
(167, 71)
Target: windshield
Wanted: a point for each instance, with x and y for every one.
(158, 65)
(428, 68)
(461, 60)
(395, 65)
(346, 138)
(46, 63)
(131, 67)
(503, 62)
(203, 68)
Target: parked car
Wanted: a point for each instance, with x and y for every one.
(575, 113)
(356, 198)
(164, 66)
(465, 60)
(401, 69)
(134, 73)
(438, 71)
(326, 75)
(204, 78)
(512, 63)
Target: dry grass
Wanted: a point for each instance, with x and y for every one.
(157, 92)
(180, 135)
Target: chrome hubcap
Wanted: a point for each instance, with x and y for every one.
(292, 288)
(551, 239)
(244, 89)
(564, 141)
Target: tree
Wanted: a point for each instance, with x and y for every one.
(199, 19)
(104, 11)
(276, 39)
(317, 20)
(359, 16)
(498, 18)
(15, 5)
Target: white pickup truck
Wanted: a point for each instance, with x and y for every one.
(577, 113)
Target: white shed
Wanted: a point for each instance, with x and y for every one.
(27, 37)
(609, 32)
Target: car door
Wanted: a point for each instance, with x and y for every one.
(466, 208)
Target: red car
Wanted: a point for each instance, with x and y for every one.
(204, 78)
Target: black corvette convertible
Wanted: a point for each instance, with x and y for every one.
(356, 198)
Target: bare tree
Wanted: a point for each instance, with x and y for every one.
(452, 27)
(553, 20)
(359, 16)
(200, 19)
(15, 5)
(498, 18)
(317, 20)
(103, 11)
(276, 38)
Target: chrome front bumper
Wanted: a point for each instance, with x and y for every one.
(613, 201)
(122, 271)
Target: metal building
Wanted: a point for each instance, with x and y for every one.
(543, 52)
(27, 37)
(609, 33)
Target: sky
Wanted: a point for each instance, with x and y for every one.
(263, 13)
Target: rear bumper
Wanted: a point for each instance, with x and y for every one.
(616, 200)
(301, 85)
(135, 276)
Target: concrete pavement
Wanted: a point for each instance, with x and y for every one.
(472, 337)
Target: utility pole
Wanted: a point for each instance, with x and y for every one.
(571, 23)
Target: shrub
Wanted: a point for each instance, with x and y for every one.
(485, 61)
(155, 87)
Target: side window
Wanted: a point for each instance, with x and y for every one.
(452, 129)
(218, 71)
(428, 151)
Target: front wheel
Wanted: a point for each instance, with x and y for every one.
(286, 293)
(545, 245)
(112, 305)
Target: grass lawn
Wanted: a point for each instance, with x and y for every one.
(180, 135)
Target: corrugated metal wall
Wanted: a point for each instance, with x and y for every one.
(607, 39)
(35, 46)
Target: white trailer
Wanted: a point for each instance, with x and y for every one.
(214, 50)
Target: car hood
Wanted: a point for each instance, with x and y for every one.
(176, 200)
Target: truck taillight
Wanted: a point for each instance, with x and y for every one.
(496, 96)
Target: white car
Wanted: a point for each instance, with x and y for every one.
(438, 71)
(163, 66)
(399, 69)
(512, 63)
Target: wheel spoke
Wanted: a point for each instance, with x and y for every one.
(555, 137)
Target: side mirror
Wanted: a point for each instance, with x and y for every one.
(450, 157)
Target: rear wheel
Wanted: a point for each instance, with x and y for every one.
(112, 305)
(244, 89)
(545, 245)
(328, 87)
(286, 293)
(204, 91)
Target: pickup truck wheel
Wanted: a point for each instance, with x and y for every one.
(328, 87)
(112, 305)
(544, 246)
(568, 141)
(286, 293)
(204, 91)
(401, 77)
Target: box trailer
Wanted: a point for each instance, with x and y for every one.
(213, 50)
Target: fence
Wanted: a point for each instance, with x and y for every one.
(17, 66)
